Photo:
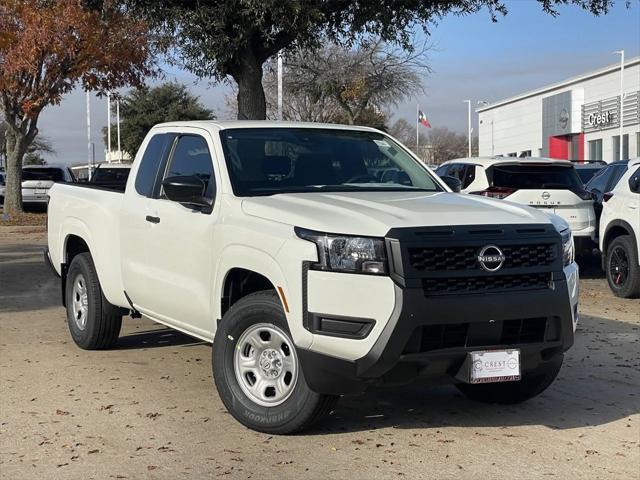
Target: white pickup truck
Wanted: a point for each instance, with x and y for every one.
(313, 278)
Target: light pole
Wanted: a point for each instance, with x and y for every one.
(621, 114)
(468, 102)
(89, 147)
(108, 127)
(118, 127)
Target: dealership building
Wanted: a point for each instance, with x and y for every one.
(576, 119)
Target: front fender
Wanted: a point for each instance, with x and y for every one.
(261, 262)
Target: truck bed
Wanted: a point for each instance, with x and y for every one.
(93, 214)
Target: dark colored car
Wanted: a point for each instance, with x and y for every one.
(586, 171)
(113, 177)
(604, 181)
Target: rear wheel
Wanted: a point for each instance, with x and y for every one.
(529, 386)
(622, 269)
(91, 324)
(257, 371)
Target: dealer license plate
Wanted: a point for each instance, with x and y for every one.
(495, 366)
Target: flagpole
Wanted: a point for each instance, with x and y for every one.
(418, 130)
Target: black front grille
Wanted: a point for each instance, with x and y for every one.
(485, 283)
(461, 335)
(434, 259)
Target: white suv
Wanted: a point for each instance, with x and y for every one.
(552, 186)
(620, 234)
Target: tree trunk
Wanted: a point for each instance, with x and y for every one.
(16, 149)
(251, 100)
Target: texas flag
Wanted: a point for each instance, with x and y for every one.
(422, 118)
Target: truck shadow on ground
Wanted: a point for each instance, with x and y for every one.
(164, 337)
(598, 384)
(590, 266)
(26, 283)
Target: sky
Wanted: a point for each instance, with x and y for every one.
(472, 58)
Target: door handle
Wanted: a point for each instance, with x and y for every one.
(152, 219)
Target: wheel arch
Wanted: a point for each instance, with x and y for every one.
(76, 239)
(246, 270)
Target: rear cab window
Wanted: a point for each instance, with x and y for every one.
(151, 161)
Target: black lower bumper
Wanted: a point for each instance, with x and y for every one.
(407, 350)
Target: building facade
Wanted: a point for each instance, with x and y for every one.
(577, 119)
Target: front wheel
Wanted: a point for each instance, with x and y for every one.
(257, 371)
(507, 393)
(622, 269)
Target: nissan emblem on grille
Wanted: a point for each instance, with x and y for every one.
(491, 258)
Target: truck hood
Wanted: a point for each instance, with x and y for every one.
(374, 213)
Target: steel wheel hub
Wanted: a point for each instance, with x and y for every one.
(265, 364)
(80, 302)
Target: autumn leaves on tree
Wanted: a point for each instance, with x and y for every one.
(49, 47)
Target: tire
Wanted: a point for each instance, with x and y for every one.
(293, 409)
(91, 327)
(621, 267)
(509, 393)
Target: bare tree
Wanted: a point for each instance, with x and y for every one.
(447, 145)
(347, 85)
(405, 132)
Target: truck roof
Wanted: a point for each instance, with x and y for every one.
(229, 124)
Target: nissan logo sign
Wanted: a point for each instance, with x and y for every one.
(564, 118)
(491, 258)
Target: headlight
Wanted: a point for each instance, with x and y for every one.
(568, 251)
(342, 253)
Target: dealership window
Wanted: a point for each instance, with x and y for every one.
(616, 147)
(526, 153)
(595, 149)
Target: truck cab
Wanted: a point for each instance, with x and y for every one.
(312, 276)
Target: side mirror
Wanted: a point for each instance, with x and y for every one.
(187, 189)
(453, 183)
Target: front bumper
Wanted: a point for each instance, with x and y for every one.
(426, 333)
(477, 321)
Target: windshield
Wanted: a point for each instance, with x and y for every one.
(47, 174)
(534, 177)
(268, 161)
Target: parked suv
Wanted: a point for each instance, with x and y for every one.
(38, 179)
(312, 277)
(552, 186)
(620, 233)
(605, 181)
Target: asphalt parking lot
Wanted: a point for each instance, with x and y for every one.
(148, 409)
